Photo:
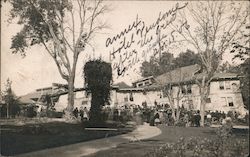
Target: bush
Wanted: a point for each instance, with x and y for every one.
(224, 145)
(31, 111)
(54, 114)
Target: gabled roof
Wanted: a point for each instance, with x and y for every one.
(189, 73)
(34, 97)
(121, 85)
(27, 99)
(178, 75)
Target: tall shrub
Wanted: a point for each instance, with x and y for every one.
(98, 77)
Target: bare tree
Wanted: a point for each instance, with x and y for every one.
(173, 91)
(215, 26)
(63, 28)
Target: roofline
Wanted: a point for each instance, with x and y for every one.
(213, 80)
(142, 79)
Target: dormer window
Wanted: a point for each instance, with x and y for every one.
(140, 84)
(147, 83)
(189, 89)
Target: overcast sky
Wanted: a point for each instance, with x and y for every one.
(38, 70)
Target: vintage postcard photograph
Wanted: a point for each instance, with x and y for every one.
(124, 78)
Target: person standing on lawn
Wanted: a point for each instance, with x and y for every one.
(197, 119)
(75, 112)
(209, 118)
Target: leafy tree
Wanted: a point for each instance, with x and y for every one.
(245, 84)
(62, 28)
(98, 77)
(215, 26)
(156, 67)
(241, 48)
(186, 58)
(168, 62)
(12, 103)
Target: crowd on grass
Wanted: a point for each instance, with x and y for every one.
(162, 115)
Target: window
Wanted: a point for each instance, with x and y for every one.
(189, 89)
(183, 90)
(131, 98)
(140, 84)
(223, 101)
(230, 101)
(208, 100)
(234, 86)
(221, 84)
(147, 83)
(227, 85)
(126, 99)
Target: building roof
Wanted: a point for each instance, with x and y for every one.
(27, 99)
(34, 97)
(154, 86)
(143, 79)
(178, 75)
(189, 73)
(121, 85)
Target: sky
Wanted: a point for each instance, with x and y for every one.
(38, 70)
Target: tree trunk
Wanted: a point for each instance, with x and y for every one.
(71, 98)
(178, 111)
(70, 105)
(171, 101)
(71, 87)
(202, 109)
(96, 118)
(8, 110)
(204, 93)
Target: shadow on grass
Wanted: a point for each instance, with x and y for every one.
(23, 139)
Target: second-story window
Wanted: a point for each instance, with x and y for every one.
(126, 99)
(221, 85)
(189, 89)
(230, 101)
(140, 84)
(183, 90)
(131, 98)
(147, 83)
(227, 85)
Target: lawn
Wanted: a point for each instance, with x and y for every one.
(33, 137)
(169, 135)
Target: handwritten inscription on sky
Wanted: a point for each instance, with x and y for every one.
(139, 40)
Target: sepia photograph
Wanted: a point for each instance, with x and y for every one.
(124, 78)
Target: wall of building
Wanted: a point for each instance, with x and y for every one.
(80, 101)
(224, 99)
(227, 99)
(137, 97)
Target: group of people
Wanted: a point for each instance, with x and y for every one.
(83, 113)
(155, 115)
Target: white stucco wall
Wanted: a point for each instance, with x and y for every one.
(138, 97)
(219, 98)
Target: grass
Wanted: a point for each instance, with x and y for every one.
(169, 135)
(33, 137)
